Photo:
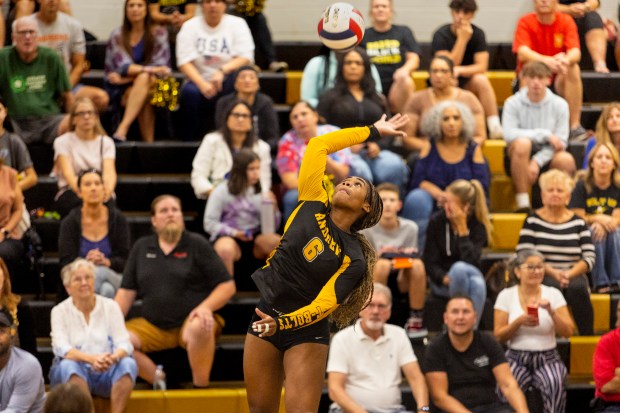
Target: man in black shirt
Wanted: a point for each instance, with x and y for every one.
(465, 43)
(463, 366)
(181, 282)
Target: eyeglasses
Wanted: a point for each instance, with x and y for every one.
(238, 115)
(353, 62)
(442, 71)
(533, 268)
(26, 33)
(84, 113)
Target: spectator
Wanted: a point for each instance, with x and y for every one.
(550, 37)
(22, 388)
(97, 233)
(536, 130)
(14, 153)
(463, 366)
(214, 157)
(456, 235)
(11, 210)
(605, 364)
(590, 27)
(233, 214)
(596, 199)
(84, 147)
(209, 49)
(465, 44)
(530, 335)
(441, 77)
(32, 97)
(252, 13)
(394, 51)
(320, 73)
(20, 312)
(353, 102)
(90, 343)
(292, 146)
(607, 130)
(564, 240)
(137, 53)
(366, 359)
(264, 116)
(68, 398)
(172, 15)
(393, 238)
(182, 282)
(65, 34)
(448, 155)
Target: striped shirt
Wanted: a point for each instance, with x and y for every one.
(563, 245)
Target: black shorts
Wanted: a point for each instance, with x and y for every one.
(284, 340)
(535, 148)
(590, 20)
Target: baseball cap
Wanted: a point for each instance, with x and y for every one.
(6, 319)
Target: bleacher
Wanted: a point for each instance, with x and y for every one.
(148, 170)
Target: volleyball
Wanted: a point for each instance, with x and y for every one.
(341, 27)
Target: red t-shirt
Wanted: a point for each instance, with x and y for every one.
(546, 39)
(605, 361)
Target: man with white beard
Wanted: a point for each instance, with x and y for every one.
(182, 282)
(366, 359)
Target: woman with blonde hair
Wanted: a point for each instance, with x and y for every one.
(456, 235)
(596, 199)
(607, 129)
(564, 240)
(85, 147)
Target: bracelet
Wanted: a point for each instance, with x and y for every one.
(424, 409)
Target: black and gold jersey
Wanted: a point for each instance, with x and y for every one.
(316, 265)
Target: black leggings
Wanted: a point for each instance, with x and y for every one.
(577, 297)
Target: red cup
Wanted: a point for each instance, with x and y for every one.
(533, 311)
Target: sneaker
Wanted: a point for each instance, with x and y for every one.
(414, 328)
(496, 132)
(578, 134)
(278, 66)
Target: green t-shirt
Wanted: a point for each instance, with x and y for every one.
(32, 89)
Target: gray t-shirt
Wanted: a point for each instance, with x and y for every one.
(21, 384)
(13, 152)
(404, 238)
(65, 35)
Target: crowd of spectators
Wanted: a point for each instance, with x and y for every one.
(434, 184)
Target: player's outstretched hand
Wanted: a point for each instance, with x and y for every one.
(389, 126)
(266, 326)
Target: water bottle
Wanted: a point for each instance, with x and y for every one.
(267, 219)
(159, 383)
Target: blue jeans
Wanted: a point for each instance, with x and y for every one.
(289, 203)
(465, 279)
(606, 271)
(100, 384)
(360, 168)
(107, 281)
(418, 207)
(387, 167)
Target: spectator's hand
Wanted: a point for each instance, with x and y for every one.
(177, 19)
(217, 79)
(556, 143)
(205, 318)
(401, 73)
(385, 249)
(115, 78)
(391, 126)
(208, 90)
(577, 9)
(243, 236)
(553, 63)
(373, 150)
(527, 320)
(458, 70)
(445, 280)
(97, 257)
(532, 171)
(160, 71)
(563, 279)
(607, 222)
(101, 362)
(546, 305)
(464, 30)
(266, 326)
(441, 199)
(598, 232)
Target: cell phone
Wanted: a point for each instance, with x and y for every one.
(533, 311)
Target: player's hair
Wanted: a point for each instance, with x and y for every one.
(359, 298)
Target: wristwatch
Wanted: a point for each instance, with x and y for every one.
(424, 409)
(6, 233)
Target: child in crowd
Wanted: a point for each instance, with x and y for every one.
(396, 241)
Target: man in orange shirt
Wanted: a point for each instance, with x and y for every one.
(551, 37)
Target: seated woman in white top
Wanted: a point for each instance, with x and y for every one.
(89, 339)
(85, 147)
(214, 158)
(528, 316)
